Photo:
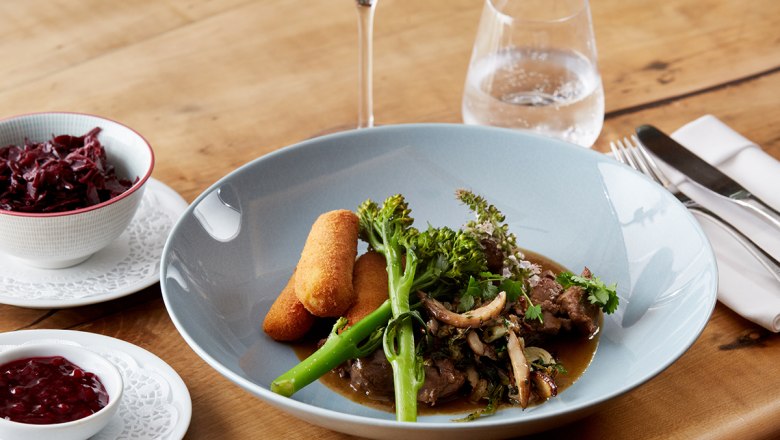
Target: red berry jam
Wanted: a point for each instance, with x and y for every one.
(47, 390)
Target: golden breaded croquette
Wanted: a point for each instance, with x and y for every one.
(369, 281)
(323, 281)
(288, 320)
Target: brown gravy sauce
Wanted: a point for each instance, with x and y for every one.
(575, 353)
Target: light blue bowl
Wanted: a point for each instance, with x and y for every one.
(234, 249)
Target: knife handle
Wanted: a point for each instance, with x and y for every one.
(753, 203)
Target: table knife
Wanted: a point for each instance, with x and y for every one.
(701, 172)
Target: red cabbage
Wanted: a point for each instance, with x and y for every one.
(63, 174)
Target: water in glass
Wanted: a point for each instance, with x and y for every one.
(555, 93)
(534, 68)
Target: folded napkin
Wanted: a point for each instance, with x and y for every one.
(744, 285)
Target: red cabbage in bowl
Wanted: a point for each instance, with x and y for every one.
(63, 174)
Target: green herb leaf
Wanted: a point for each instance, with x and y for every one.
(489, 410)
(533, 312)
(512, 288)
(466, 302)
(552, 369)
(489, 292)
(598, 293)
(473, 288)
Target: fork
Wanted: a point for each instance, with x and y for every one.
(631, 152)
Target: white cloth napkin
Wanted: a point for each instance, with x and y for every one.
(744, 285)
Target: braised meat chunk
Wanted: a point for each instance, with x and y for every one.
(562, 310)
(442, 380)
(574, 304)
(373, 376)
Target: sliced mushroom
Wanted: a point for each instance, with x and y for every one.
(534, 354)
(480, 391)
(473, 318)
(493, 333)
(513, 323)
(544, 384)
(472, 376)
(479, 387)
(478, 347)
(520, 368)
(433, 326)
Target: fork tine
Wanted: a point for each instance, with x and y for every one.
(649, 163)
(619, 153)
(628, 152)
(616, 153)
(639, 158)
(625, 147)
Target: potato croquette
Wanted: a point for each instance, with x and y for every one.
(369, 280)
(288, 320)
(323, 280)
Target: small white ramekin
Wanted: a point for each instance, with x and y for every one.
(79, 429)
(56, 240)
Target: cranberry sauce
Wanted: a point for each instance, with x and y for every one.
(47, 390)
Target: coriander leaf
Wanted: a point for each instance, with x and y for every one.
(533, 312)
(512, 288)
(598, 293)
(473, 288)
(489, 292)
(466, 303)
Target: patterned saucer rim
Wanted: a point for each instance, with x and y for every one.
(16, 278)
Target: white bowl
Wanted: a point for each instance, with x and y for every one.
(78, 429)
(56, 240)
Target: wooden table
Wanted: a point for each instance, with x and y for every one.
(213, 85)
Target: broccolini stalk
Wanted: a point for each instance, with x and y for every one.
(338, 348)
(414, 261)
(388, 230)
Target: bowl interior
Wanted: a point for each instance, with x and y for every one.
(235, 247)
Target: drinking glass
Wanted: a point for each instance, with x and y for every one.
(533, 67)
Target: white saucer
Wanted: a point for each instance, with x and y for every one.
(155, 404)
(129, 264)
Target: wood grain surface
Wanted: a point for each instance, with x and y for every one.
(215, 84)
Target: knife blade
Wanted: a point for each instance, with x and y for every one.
(701, 172)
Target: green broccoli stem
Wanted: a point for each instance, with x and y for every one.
(338, 348)
(400, 351)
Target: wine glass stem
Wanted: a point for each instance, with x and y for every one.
(365, 10)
